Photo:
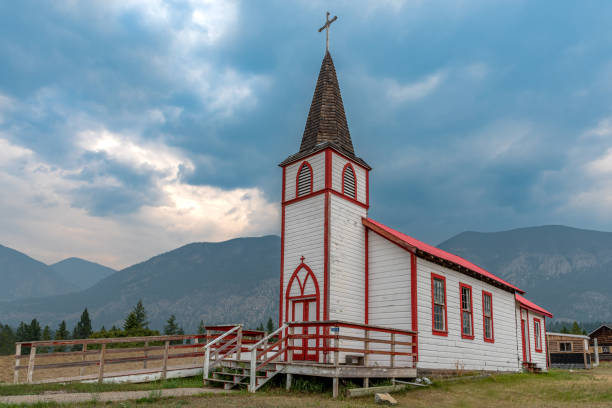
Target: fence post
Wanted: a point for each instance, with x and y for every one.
(101, 369)
(239, 341)
(31, 363)
(17, 363)
(195, 350)
(206, 364)
(290, 345)
(165, 363)
(336, 352)
(146, 354)
(253, 373)
(82, 369)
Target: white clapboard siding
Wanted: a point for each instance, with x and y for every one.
(317, 162)
(537, 357)
(519, 344)
(452, 352)
(389, 293)
(347, 266)
(338, 163)
(304, 232)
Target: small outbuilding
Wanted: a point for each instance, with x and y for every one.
(603, 334)
(568, 350)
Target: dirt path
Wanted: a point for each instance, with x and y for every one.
(107, 396)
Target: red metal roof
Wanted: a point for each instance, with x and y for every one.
(532, 306)
(437, 252)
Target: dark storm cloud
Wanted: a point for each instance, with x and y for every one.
(469, 112)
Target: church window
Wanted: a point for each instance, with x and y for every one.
(349, 182)
(487, 316)
(467, 326)
(438, 297)
(538, 335)
(304, 180)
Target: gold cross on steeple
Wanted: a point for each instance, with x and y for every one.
(326, 28)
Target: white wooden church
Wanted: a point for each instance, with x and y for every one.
(337, 264)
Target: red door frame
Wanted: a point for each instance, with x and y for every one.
(306, 298)
(305, 349)
(523, 338)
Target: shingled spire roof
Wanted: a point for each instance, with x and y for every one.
(326, 124)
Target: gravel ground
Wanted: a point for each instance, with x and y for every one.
(107, 396)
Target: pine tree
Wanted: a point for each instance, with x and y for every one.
(22, 332)
(137, 319)
(576, 329)
(260, 327)
(171, 327)
(7, 340)
(34, 330)
(201, 327)
(83, 328)
(62, 334)
(270, 326)
(46, 335)
(564, 330)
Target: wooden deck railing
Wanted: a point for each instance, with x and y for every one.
(362, 340)
(325, 340)
(104, 350)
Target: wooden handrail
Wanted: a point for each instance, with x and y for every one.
(342, 323)
(274, 333)
(224, 335)
(109, 340)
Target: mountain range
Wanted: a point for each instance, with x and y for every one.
(80, 272)
(565, 270)
(231, 281)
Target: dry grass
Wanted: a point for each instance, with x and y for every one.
(559, 388)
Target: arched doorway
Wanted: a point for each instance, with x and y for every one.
(302, 305)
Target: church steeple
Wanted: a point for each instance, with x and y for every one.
(326, 125)
(326, 119)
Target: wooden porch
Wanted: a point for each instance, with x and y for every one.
(229, 355)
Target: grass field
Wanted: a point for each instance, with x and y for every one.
(559, 388)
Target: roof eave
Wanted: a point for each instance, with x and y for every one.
(436, 259)
(322, 146)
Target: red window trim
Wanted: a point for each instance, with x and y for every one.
(297, 178)
(484, 331)
(461, 286)
(433, 330)
(535, 337)
(354, 179)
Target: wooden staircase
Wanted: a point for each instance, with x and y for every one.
(232, 373)
(223, 364)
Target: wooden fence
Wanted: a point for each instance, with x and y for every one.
(102, 353)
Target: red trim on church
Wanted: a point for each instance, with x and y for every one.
(411, 244)
(367, 279)
(532, 306)
(282, 255)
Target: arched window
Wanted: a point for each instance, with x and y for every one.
(349, 183)
(304, 180)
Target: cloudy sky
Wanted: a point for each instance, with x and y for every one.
(131, 127)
